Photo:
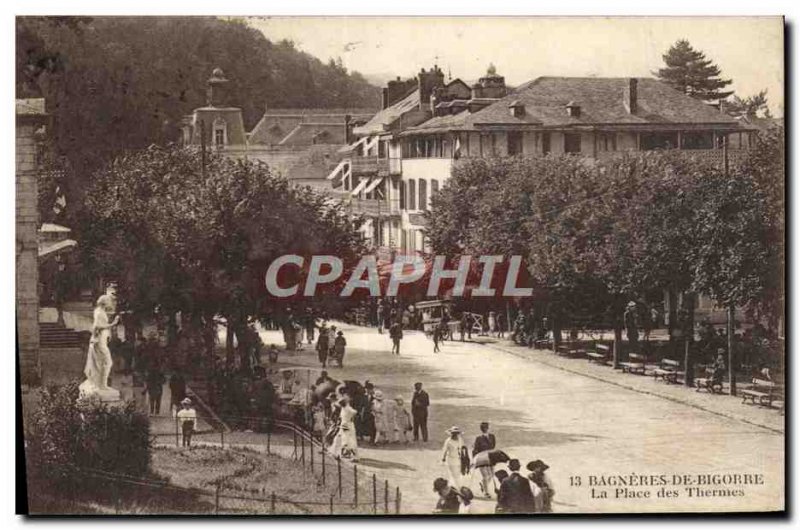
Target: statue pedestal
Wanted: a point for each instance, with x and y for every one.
(88, 391)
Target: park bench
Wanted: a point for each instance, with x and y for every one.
(634, 364)
(601, 354)
(668, 371)
(543, 344)
(764, 391)
(704, 383)
(571, 349)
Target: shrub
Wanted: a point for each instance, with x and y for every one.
(65, 436)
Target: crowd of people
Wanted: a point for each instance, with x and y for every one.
(349, 413)
(514, 493)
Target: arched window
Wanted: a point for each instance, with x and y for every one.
(412, 195)
(220, 133)
(423, 194)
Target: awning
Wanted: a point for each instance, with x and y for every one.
(374, 184)
(50, 249)
(361, 186)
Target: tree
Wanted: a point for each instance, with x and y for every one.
(688, 71)
(111, 87)
(597, 234)
(180, 240)
(749, 107)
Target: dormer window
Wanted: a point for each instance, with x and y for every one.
(573, 109)
(517, 109)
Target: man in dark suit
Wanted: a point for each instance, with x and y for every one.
(516, 495)
(419, 412)
(484, 442)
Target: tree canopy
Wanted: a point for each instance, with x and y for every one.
(119, 83)
(689, 71)
(599, 233)
(178, 240)
(749, 106)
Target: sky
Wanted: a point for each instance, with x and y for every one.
(749, 50)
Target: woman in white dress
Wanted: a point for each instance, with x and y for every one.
(380, 413)
(347, 426)
(451, 455)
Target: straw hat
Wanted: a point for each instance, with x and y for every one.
(186, 401)
(454, 430)
(378, 395)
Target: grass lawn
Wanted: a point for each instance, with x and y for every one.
(184, 482)
(247, 478)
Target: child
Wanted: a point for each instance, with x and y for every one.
(402, 420)
(187, 416)
(318, 417)
(273, 353)
(338, 346)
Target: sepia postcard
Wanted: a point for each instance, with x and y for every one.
(392, 266)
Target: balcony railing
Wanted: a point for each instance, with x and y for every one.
(374, 207)
(364, 165)
(382, 167)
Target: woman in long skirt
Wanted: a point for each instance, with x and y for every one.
(348, 431)
(452, 455)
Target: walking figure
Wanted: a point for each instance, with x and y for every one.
(396, 333)
(437, 336)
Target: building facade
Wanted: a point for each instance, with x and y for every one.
(423, 136)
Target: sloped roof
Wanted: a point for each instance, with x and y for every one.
(381, 121)
(336, 113)
(276, 124)
(437, 124)
(311, 133)
(601, 102)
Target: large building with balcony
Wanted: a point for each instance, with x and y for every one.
(425, 133)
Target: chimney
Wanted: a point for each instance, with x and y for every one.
(384, 98)
(427, 82)
(630, 97)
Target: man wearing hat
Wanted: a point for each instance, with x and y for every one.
(516, 494)
(187, 417)
(448, 497)
(420, 402)
(485, 441)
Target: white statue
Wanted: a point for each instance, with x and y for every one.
(98, 359)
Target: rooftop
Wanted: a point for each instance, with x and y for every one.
(381, 121)
(601, 102)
